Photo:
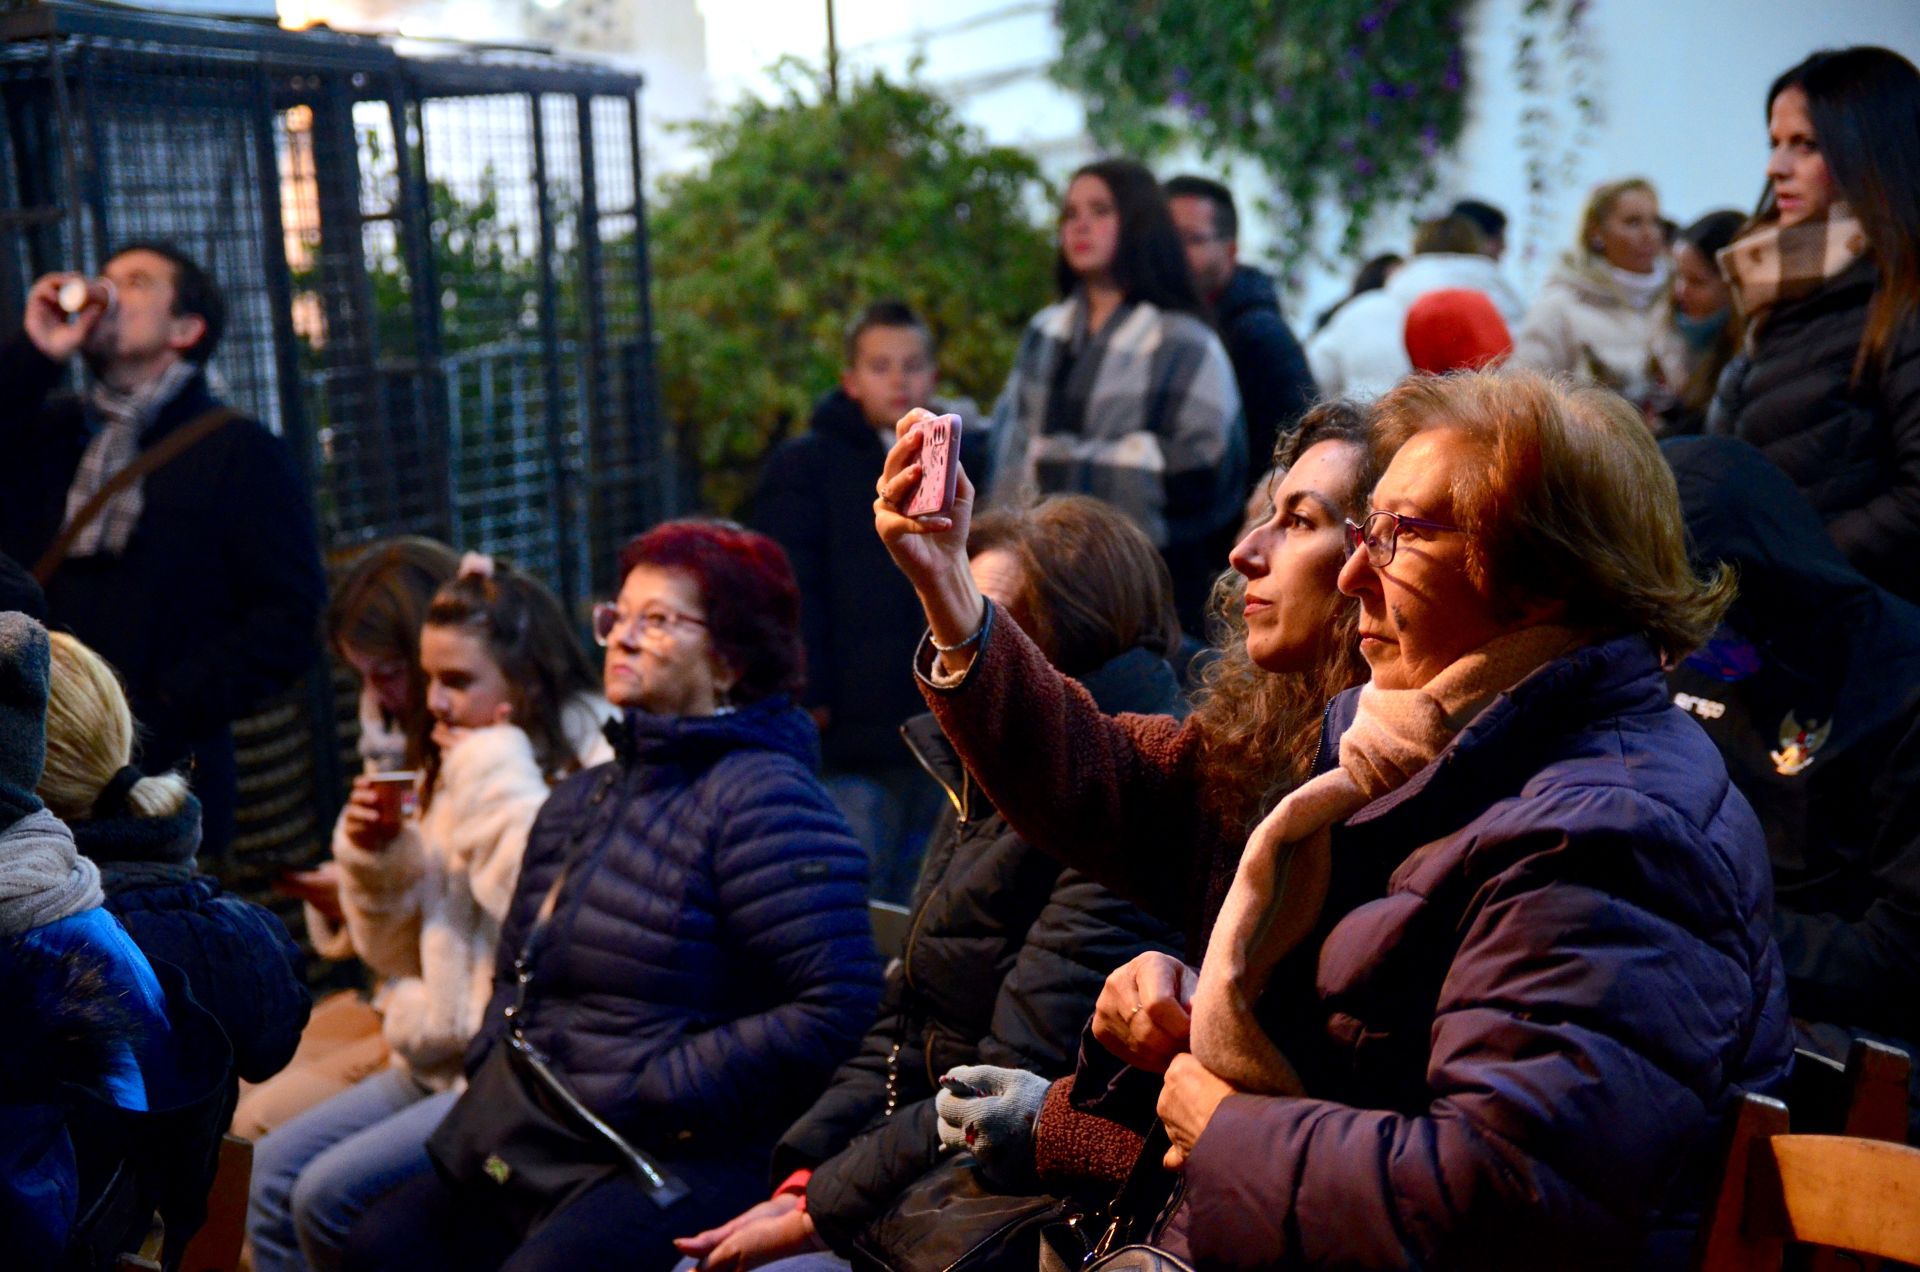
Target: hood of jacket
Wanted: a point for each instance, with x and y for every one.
(1587, 278)
(1841, 642)
(692, 744)
(1443, 271)
(172, 840)
(1249, 289)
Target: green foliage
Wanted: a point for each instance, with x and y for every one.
(808, 210)
(1341, 100)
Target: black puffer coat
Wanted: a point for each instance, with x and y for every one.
(1007, 952)
(1854, 452)
(238, 959)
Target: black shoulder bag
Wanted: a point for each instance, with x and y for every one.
(519, 1137)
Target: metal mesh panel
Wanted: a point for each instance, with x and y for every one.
(436, 278)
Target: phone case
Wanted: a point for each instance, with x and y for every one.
(939, 468)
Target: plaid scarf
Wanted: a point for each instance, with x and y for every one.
(1768, 264)
(119, 416)
(1144, 415)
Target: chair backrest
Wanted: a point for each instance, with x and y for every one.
(1865, 1097)
(1836, 1191)
(216, 1247)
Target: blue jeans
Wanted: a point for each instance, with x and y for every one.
(316, 1175)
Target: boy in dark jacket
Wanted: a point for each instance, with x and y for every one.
(859, 617)
(1811, 690)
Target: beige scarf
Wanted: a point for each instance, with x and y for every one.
(1768, 264)
(1281, 882)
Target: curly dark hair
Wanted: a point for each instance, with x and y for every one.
(1260, 729)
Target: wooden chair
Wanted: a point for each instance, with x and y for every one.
(216, 1247)
(1865, 1097)
(1836, 1191)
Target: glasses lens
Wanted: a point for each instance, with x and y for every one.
(1382, 528)
(605, 619)
(1354, 537)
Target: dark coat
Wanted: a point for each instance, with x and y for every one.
(239, 961)
(1853, 452)
(1546, 1021)
(710, 959)
(1007, 951)
(134, 1123)
(214, 605)
(1276, 387)
(1815, 658)
(66, 1030)
(859, 614)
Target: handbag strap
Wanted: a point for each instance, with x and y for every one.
(1148, 1188)
(151, 460)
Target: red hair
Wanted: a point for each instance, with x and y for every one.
(752, 599)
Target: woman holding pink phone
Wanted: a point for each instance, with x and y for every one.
(514, 705)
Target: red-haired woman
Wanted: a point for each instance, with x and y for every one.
(688, 951)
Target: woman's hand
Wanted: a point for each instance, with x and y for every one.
(775, 1229)
(366, 824)
(1143, 1013)
(1188, 1099)
(448, 736)
(930, 551)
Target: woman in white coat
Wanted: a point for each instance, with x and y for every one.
(1602, 315)
(516, 706)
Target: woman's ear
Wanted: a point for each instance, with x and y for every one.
(725, 676)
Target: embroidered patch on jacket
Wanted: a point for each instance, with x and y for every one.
(1798, 742)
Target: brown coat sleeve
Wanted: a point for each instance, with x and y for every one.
(1115, 796)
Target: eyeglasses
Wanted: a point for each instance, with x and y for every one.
(607, 620)
(1380, 532)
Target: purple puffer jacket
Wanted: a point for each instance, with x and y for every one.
(1548, 1017)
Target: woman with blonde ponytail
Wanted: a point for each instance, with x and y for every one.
(142, 832)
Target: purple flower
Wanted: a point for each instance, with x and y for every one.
(1452, 81)
(1370, 23)
(1285, 95)
(1132, 31)
(1363, 166)
(1181, 98)
(1381, 88)
(1199, 111)
(1181, 75)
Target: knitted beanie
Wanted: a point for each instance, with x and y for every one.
(1455, 329)
(25, 664)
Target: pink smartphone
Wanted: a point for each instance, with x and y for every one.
(939, 468)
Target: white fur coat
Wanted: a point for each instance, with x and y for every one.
(424, 912)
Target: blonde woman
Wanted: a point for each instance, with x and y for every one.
(143, 832)
(1602, 314)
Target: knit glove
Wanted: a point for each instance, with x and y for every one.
(995, 1121)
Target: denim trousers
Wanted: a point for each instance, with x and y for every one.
(315, 1176)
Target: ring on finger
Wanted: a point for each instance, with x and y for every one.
(1135, 1011)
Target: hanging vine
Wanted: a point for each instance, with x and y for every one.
(1552, 63)
(1342, 103)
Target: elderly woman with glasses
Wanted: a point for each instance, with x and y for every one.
(1546, 1016)
(687, 953)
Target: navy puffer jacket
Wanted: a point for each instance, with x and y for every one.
(238, 959)
(709, 959)
(1546, 1020)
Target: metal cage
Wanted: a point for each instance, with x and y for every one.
(437, 281)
